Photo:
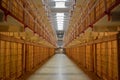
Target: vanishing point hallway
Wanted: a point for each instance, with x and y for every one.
(59, 67)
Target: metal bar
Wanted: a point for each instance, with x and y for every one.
(118, 55)
(11, 39)
(101, 15)
(25, 10)
(23, 58)
(10, 57)
(90, 10)
(104, 39)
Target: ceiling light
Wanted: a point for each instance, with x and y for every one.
(59, 4)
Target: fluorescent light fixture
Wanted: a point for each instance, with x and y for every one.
(59, 4)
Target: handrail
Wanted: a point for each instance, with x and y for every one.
(90, 10)
(25, 10)
(15, 13)
(101, 13)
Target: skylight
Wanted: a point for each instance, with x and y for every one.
(60, 27)
(60, 14)
(60, 24)
(60, 20)
(59, 4)
(60, 0)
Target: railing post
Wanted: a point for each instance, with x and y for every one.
(105, 5)
(24, 5)
(0, 2)
(6, 14)
(106, 10)
(118, 48)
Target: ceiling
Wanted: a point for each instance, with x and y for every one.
(52, 12)
(59, 13)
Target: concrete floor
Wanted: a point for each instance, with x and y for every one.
(59, 67)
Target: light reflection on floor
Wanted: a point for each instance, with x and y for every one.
(59, 67)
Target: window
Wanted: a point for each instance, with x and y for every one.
(60, 0)
(60, 20)
(60, 14)
(60, 27)
(59, 17)
(59, 4)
